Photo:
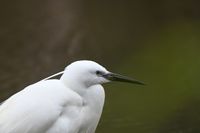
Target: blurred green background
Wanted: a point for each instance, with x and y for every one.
(155, 41)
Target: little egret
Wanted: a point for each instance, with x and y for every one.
(71, 104)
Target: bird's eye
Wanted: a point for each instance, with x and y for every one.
(98, 73)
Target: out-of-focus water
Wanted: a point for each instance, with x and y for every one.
(170, 102)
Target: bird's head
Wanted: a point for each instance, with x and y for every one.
(90, 73)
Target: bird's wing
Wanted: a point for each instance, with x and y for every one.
(35, 109)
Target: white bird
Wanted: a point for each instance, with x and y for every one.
(71, 104)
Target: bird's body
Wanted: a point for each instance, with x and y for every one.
(54, 109)
(71, 104)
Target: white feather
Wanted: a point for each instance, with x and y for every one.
(56, 106)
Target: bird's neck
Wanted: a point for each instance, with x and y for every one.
(92, 96)
(72, 84)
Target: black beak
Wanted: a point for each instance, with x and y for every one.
(121, 78)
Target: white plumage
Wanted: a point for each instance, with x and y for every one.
(71, 104)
